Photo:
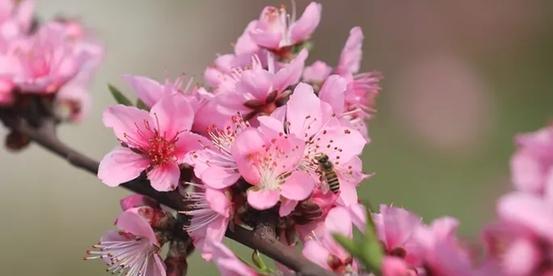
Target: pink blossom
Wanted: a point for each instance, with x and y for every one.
(269, 161)
(275, 29)
(532, 164)
(73, 100)
(258, 90)
(396, 228)
(210, 211)
(214, 164)
(155, 142)
(394, 266)
(15, 19)
(314, 122)
(357, 100)
(132, 250)
(530, 211)
(150, 91)
(442, 252)
(514, 250)
(48, 59)
(321, 248)
(227, 263)
(136, 200)
(316, 73)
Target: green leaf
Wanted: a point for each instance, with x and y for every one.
(258, 261)
(347, 244)
(119, 96)
(141, 105)
(366, 248)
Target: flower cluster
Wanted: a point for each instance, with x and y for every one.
(266, 135)
(48, 64)
(521, 241)
(270, 136)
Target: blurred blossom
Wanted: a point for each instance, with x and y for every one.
(443, 102)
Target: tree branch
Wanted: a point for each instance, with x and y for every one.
(262, 238)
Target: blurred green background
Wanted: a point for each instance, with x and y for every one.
(460, 80)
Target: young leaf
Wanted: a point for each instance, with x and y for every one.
(258, 261)
(141, 105)
(119, 97)
(348, 244)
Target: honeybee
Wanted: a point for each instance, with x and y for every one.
(328, 173)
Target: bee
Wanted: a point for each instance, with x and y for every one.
(327, 172)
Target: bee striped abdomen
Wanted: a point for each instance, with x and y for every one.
(327, 172)
(332, 180)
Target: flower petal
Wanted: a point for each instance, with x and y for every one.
(172, 114)
(121, 165)
(247, 144)
(262, 199)
(298, 186)
(350, 58)
(187, 142)
(147, 90)
(164, 177)
(130, 221)
(291, 73)
(287, 206)
(333, 91)
(306, 24)
(127, 123)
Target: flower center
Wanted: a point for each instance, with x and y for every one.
(160, 151)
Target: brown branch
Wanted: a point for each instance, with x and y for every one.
(262, 238)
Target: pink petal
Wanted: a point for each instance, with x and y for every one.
(306, 24)
(256, 82)
(266, 39)
(136, 200)
(187, 142)
(316, 72)
(172, 114)
(219, 177)
(262, 199)
(287, 206)
(395, 225)
(121, 165)
(333, 91)
(227, 263)
(338, 221)
(269, 124)
(316, 253)
(341, 143)
(126, 121)
(245, 44)
(528, 210)
(147, 90)
(164, 177)
(522, 257)
(291, 73)
(358, 215)
(527, 172)
(247, 144)
(157, 267)
(298, 186)
(348, 192)
(131, 222)
(393, 266)
(303, 111)
(350, 58)
(218, 201)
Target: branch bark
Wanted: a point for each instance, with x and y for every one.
(262, 238)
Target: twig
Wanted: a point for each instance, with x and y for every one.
(261, 238)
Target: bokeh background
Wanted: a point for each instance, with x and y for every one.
(461, 79)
